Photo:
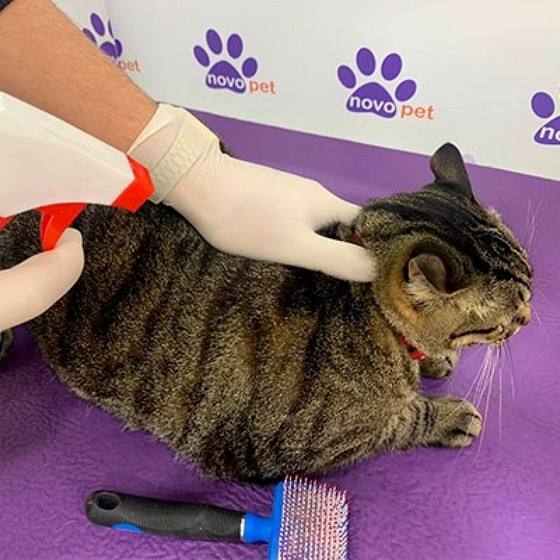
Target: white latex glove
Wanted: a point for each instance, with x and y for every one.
(31, 287)
(243, 208)
(261, 213)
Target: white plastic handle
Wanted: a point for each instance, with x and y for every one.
(45, 161)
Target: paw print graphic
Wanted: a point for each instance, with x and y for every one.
(224, 73)
(544, 107)
(103, 37)
(372, 96)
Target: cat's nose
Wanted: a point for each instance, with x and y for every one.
(523, 315)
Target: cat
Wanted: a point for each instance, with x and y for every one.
(253, 370)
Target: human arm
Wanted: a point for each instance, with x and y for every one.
(48, 62)
(239, 207)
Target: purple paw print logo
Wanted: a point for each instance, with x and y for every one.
(544, 107)
(102, 35)
(229, 70)
(372, 96)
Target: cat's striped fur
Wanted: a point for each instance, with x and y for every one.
(254, 370)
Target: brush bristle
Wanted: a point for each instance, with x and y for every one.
(314, 522)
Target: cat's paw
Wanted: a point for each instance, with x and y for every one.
(458, 423)
(438, 367)
(6, 339)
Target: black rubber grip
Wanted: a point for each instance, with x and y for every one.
(175, 519)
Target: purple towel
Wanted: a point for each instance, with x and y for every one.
(499, 499)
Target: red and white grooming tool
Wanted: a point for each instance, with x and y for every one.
(57, 169)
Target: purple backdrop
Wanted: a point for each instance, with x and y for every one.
(497, 500)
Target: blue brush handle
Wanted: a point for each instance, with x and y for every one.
(174, 519)
(267, 529)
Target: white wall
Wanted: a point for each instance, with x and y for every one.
(476, 66)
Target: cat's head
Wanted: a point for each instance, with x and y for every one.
(449, 272)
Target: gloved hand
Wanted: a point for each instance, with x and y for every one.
(31, 287)
(243, 208)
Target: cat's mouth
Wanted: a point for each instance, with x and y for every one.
(507, 334)
(497, 335)
(475, 336)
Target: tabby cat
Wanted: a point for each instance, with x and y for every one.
(253, 370)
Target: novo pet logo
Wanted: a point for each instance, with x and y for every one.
(544, 107)
(385, 95)
(102, 35)
(227, 67)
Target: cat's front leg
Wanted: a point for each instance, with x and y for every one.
(433, 422)
(456, 423)
(438, 367)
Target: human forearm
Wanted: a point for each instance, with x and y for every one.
(45, 60)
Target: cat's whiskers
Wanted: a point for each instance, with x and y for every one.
(536, 315)
(509, 357)
(469, 391)
(544, 314)
(499, 363)
(476, 382)
(486, 374)
(527, 221)
(504, 353)
(540, 291)
(482, 377)
(531, 223)
(481, 383)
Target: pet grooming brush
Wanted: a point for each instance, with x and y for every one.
(51, 166)
(309, 520)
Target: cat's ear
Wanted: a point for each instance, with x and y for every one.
(448, 167)
(426, 278)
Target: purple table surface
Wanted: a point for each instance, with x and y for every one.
(499, 499)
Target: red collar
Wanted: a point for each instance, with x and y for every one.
(413, 352)
(357, 238)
